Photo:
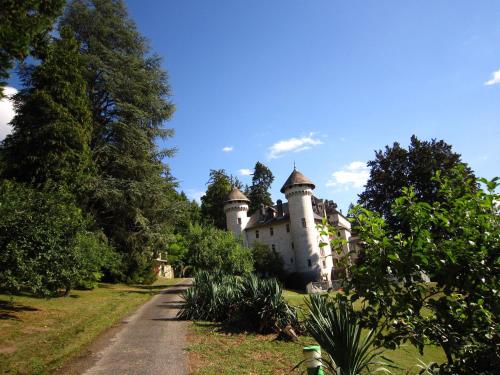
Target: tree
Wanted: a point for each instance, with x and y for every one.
(133, 197)
(397, 167)
(258, 193)
(23, 27)
(459, 311)
(212, 203)
(267, 262)
(212, 249)
(50, 143)
(45, 244)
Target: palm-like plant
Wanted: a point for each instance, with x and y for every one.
(335, 327)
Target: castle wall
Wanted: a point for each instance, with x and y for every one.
(281, 239)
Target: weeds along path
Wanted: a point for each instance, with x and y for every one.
(151, 341)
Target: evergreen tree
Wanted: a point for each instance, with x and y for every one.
(52, 128)
(258, 193)
(23, 26)
(212, 203)
(133, 199)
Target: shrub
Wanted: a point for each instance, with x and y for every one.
(246, 301)
(267, 262)
(44, 245)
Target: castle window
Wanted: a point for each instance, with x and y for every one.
(273, 247)
(338, 233)
(288, 228)
(322, 251)
(324, 264)
(293, 246)
(239, 220)
(256, 234)
(271, 231)
(303, 220)
(291, 260)
(309, 263)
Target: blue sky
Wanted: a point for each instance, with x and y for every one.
(324, 84)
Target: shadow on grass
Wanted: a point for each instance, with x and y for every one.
(9, 309)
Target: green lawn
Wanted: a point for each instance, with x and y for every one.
(37, 335)
(215, 351)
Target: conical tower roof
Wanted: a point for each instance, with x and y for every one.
(297, 178)
(236, 195)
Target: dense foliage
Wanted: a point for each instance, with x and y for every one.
(132, 198)
(267, 262)
(50, 141)
(45, 243)
(396, 167)
(208, 248)
(212, 203)
(258, 192)
(23, 28)
(455, 240)
(246, 302)
(85, 132)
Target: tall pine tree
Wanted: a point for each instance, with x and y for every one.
(258, 192)
(133, 200)
(52, 128)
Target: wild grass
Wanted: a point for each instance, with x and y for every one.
(37, 335)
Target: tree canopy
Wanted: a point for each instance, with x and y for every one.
(258, 192)
(23, 28)
(459, 310)
(396, 167)
(219, 186)
(133, 197)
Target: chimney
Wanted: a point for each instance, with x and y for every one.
(279, 204)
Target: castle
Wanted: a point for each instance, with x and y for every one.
(290, 228)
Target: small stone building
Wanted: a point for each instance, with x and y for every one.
(290, 227)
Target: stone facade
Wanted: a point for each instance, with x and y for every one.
(291, 228)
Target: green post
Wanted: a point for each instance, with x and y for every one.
(312, 355)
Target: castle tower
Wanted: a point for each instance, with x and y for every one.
(298, 191)
(236, 209)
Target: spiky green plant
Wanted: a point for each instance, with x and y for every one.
(335, 327)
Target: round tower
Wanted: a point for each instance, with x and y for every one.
(298, 191)
(236, 209)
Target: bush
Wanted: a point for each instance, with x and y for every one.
(44, 243)
(245, 301)
(267, 262)
(209, 248)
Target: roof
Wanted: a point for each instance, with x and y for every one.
(236, 195)
(296, 178)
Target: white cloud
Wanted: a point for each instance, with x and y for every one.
(353, 175)
(495, 78)
(245, 172)
(6, 112)
(195, 194)
(293, 145)
(228, 148)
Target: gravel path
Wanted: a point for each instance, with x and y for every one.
(152, 341)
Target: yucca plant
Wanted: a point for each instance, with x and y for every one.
(335, 327)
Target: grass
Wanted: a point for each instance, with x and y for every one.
(216, 351)
(37, 335)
